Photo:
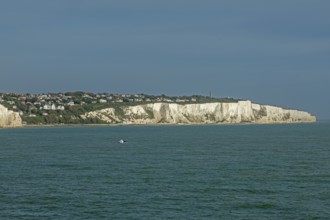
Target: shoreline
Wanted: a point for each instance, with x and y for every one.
(162, 124)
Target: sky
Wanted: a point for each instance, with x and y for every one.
(270, 52)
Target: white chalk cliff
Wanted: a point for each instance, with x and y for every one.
(9, 118)
(208, 113)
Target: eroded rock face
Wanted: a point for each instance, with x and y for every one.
(207, 113)
(9, 118)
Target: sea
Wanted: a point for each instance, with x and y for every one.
(250, 171)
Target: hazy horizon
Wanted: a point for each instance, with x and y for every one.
(269, 52)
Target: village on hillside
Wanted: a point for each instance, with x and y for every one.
(66, 108)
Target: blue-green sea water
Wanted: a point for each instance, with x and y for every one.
(166, 172)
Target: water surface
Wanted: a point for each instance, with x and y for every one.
(166, 172)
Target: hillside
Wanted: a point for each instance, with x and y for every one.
(104, 108)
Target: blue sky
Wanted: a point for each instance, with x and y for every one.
(272, 52)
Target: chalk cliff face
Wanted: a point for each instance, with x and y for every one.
(9, 118)
(208, 113)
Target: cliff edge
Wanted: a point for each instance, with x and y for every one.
(207, 113)
(9, 118)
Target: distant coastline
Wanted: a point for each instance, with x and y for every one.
(166, 124)
(67, 107)
(87, 109)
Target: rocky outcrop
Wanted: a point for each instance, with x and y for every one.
(9, 118)
(208, 113)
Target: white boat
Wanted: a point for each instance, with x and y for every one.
(121, 141)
